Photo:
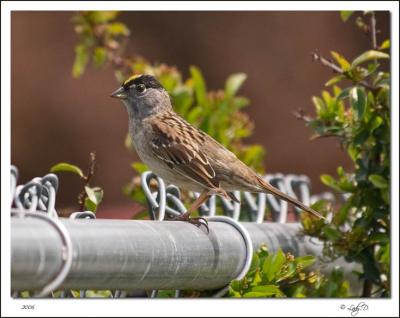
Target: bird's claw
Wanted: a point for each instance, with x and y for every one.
(198, 221)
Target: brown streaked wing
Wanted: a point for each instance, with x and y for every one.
(173, 146)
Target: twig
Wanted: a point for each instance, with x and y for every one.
(301, 115)
(373, 31)
(373, 34)
(91, 167)
(317, 57)
(367, 288)
(318, 136)
(86, 179)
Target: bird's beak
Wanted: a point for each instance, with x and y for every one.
(120, 93)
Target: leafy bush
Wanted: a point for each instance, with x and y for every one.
(358, 115)
(283, 275)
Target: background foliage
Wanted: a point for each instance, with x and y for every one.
(358, 115)
(219, 113)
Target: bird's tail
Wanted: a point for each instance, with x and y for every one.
(269, 188)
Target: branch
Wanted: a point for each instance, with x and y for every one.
(91, 167)
(301, 115)
(318, 136)
(82, 196)
(373, 31)
(318, 57)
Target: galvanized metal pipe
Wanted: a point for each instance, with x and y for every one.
(132, 254)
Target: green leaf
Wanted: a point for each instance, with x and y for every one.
(99, 193)
(279, 260)
(266, 266)
(94, 197)
(327, 98)
(335, 80)
(240, 102)
(166, 294)
(98, 294)
(25, 294)
(255, 263)
(117, 28)
(252, 153)
(236, 285)
(330, 182)
(358, 101)
(99, 56)
(320, 205)
(103, 16)
(194, 114)
(367, 56)
(235, 294)
(139, 167)
(91, 195)
(75, 293)
(345, 15)
(319, 104)
(266, 290)
(254, 295)
(353, 151)
(263, 251)
(331, 233)
(327, 179)
(273, 264)
(233, 83)
(66, 167)
(385, 196)
(199, 85)
(378, 181)
(341, 216)
(182, 100)
(381, 238)
(361, 136)
(90, 205)
(343, 94)
(340, 171)
(341, 60)
(299, 292)
(385, 45)
(305, 261)
(94, 194)
(346, 186)
(257, 279)
(81, 60)
(375, 123)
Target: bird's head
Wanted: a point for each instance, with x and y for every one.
(143, 96)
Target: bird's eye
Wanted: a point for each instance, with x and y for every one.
(140, 88)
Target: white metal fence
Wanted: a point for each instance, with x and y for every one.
(50, 253)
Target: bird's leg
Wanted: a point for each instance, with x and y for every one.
(197, 220)
(199, 201)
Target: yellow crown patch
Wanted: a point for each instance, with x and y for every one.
(133, 77)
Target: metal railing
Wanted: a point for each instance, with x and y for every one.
(50, 253)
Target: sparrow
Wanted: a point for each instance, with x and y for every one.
(182, 154)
